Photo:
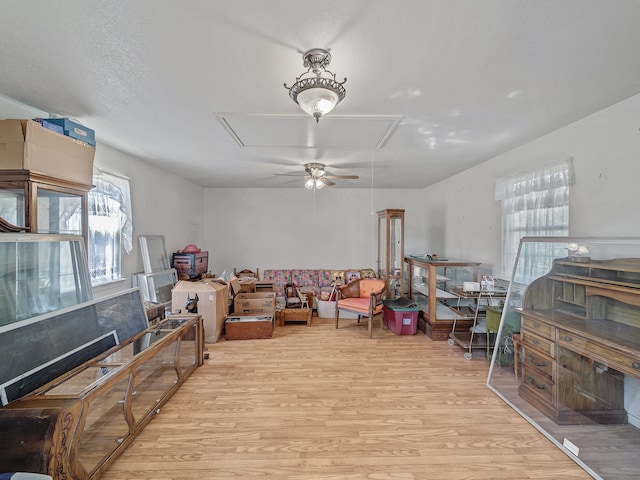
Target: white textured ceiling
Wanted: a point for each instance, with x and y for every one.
(434, 87)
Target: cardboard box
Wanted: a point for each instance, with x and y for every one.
(212, 304)
(254, 303)
(241, 327)
(27, 145)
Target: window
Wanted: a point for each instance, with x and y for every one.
(534, 204)
(110, 227)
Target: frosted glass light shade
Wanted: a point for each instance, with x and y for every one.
(317, 101)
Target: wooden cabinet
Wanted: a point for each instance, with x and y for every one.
(77, 425)
(432, 285)
(39, 203)
(391, 251)
(580, 336)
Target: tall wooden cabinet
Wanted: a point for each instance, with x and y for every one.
(391, 250)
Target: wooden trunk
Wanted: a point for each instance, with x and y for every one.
(248, 327)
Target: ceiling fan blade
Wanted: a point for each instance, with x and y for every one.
(291, 174)
(326, 181)
(347, 177)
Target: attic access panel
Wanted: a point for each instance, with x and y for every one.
(303, 131)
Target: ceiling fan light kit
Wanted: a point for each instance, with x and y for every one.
(317, 91)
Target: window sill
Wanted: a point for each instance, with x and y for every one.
(105, 288)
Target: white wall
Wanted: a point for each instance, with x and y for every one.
(293, 228)
(463, 220)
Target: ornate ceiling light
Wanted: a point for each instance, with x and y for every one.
(317, 91)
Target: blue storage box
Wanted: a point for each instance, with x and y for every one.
(401, 315)
(52, 126)
(74, 130)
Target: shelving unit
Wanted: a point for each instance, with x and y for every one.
(471, 338)
(430, 284)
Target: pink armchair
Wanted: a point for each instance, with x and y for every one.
(363, 297)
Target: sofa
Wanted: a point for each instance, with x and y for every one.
(313, 280)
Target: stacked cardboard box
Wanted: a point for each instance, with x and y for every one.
(27, 145)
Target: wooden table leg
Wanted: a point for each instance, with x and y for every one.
(517, 341)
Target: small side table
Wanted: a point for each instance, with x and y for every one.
(293, 315)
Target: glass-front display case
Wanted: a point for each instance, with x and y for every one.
(436, 285)
(40, 274)
(391, 250)
(44, 204)
(575, 369)
(77, 424)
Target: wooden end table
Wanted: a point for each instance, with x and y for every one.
(293, 315)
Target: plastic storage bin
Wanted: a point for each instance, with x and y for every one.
(401, 316)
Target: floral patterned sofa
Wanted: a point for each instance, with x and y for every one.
(317, 281)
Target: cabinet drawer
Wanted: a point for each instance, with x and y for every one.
(540, 328)
(543, 345)
(538, 383)
(621, 361)
(534, 359)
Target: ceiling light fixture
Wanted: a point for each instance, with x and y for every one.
(314, 183)
(315, 179)
(316, 94)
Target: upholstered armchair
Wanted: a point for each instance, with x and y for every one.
(363, 297)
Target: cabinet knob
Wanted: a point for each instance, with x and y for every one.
(635, 365)
(567, 338)
(535, 341)
(536, 325)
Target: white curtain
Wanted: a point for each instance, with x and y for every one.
(110, 226)
(534, 203)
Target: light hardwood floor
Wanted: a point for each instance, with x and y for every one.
(318, 403)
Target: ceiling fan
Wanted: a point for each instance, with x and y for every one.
(317, 177)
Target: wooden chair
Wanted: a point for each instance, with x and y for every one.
(362, 297)
(291, 298)
(304, 300)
